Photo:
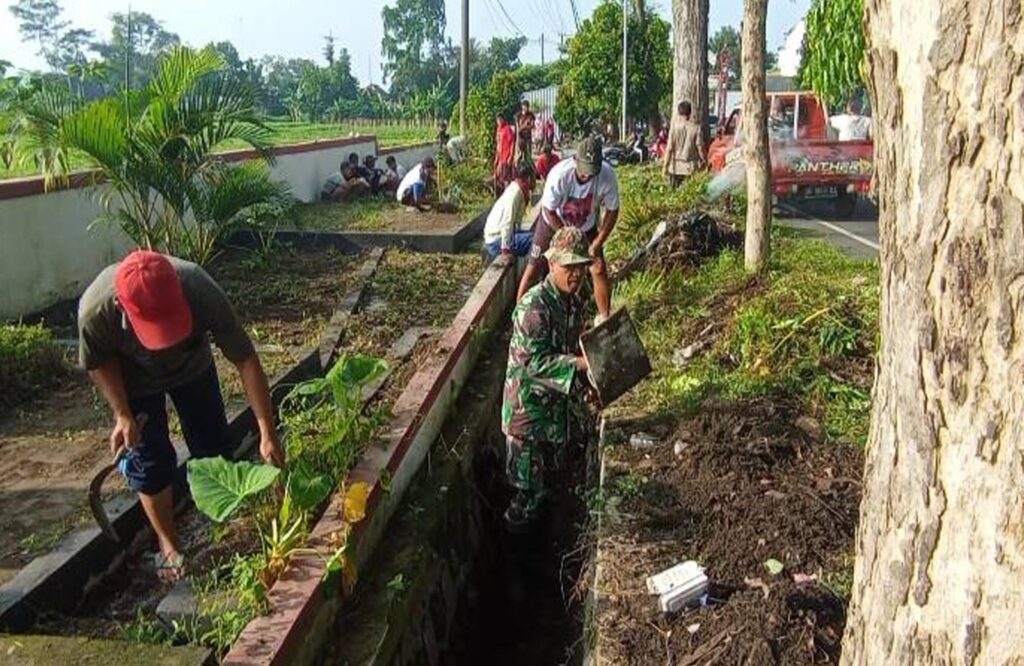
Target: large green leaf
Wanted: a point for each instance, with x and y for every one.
(220, 487)
(356, 370)
(306, 490)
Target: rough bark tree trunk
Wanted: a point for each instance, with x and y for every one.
(939, 575)
(755, 136)
(690, 68)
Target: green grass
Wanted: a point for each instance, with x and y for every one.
(30, 361)
(805, 330)
(362, 214)
(287, 132)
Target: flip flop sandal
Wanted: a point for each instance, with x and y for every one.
(169, 569)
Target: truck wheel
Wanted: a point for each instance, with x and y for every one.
(846, 205)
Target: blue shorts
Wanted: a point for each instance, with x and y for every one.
(150, 466)
(415, 193)
(522, 241)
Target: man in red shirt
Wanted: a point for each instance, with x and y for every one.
(504, 154)
(547, 159)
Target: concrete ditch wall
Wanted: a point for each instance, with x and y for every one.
(50, 249)
(303, 607)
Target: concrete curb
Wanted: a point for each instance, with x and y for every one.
(351, 242)
(349, 306)
(301, 609)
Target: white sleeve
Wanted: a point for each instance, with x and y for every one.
(609, 191)
(554, 193)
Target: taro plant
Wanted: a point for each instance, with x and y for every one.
(219, 487)
(156, 149)
(324, 417)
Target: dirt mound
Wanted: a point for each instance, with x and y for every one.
(682, 242)
(735, 486)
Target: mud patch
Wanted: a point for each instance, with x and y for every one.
(733, 487)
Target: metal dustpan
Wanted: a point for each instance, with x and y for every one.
(616, 356)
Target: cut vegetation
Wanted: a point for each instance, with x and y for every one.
(758, 412)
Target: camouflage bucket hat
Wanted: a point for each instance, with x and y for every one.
(588, 156)
(568, 248)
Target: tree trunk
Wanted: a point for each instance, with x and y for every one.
(939, 575)
(755, 136)
(690, 70)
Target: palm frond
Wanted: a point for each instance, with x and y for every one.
(181, 68)
(98, 130)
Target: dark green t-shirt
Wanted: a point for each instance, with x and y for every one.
(104, 333)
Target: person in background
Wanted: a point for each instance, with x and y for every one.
(575, 192)
(501, 231)
(394, 168)
(393, 175)
(345, 185)
(144, 328)
(851, 126)
(525, 122)
(545, 382)
(416, 188)
(373, 175)
(504, 154)
(548, 131)
(684, 152)
(442, 135)
(546, 161)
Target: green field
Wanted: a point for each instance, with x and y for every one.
(288, 132)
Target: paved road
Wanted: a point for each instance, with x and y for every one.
(856, 236)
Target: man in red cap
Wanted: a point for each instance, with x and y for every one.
(144, 329)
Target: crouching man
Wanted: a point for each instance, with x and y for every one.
(546, 376)
(144, 329)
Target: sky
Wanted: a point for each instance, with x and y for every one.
(296, 28)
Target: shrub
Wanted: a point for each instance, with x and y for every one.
(30, 362)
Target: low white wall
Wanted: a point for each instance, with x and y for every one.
(412, 155)
(50, 250)
(306, 172)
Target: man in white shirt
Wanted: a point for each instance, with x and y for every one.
(501, 232)
(851, 126)
(414, 190)
(574, 193)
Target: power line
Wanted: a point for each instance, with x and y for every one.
(575, 13)
(501, 6)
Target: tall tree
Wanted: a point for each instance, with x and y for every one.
(690, 68)
(149, 41)
(755, 136)
(41, 21)
(939, 572)
(591, 90)
(414, 45)
(727, 39)
(329, 49)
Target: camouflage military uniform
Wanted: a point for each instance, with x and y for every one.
(543, 391)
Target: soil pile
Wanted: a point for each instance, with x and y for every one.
(682, 242)
(735, 486)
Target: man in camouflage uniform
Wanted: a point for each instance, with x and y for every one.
(546, 378)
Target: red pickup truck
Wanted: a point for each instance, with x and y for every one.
(807, 163)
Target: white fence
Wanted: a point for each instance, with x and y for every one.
(50, 249)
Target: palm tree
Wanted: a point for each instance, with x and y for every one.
(155, 148)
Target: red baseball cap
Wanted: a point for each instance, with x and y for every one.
(149, 292)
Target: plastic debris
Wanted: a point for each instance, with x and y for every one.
(683, 585)
(642, 440)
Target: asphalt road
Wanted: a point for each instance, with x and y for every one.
(857, 236)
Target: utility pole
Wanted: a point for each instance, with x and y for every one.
(464, 72)
(625, 62)
(542, 49)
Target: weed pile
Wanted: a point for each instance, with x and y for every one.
(30, 362)
(759, 406)
(769, 509)
(684, 241)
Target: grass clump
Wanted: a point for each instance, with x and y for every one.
(805, 330)
(30, 362)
